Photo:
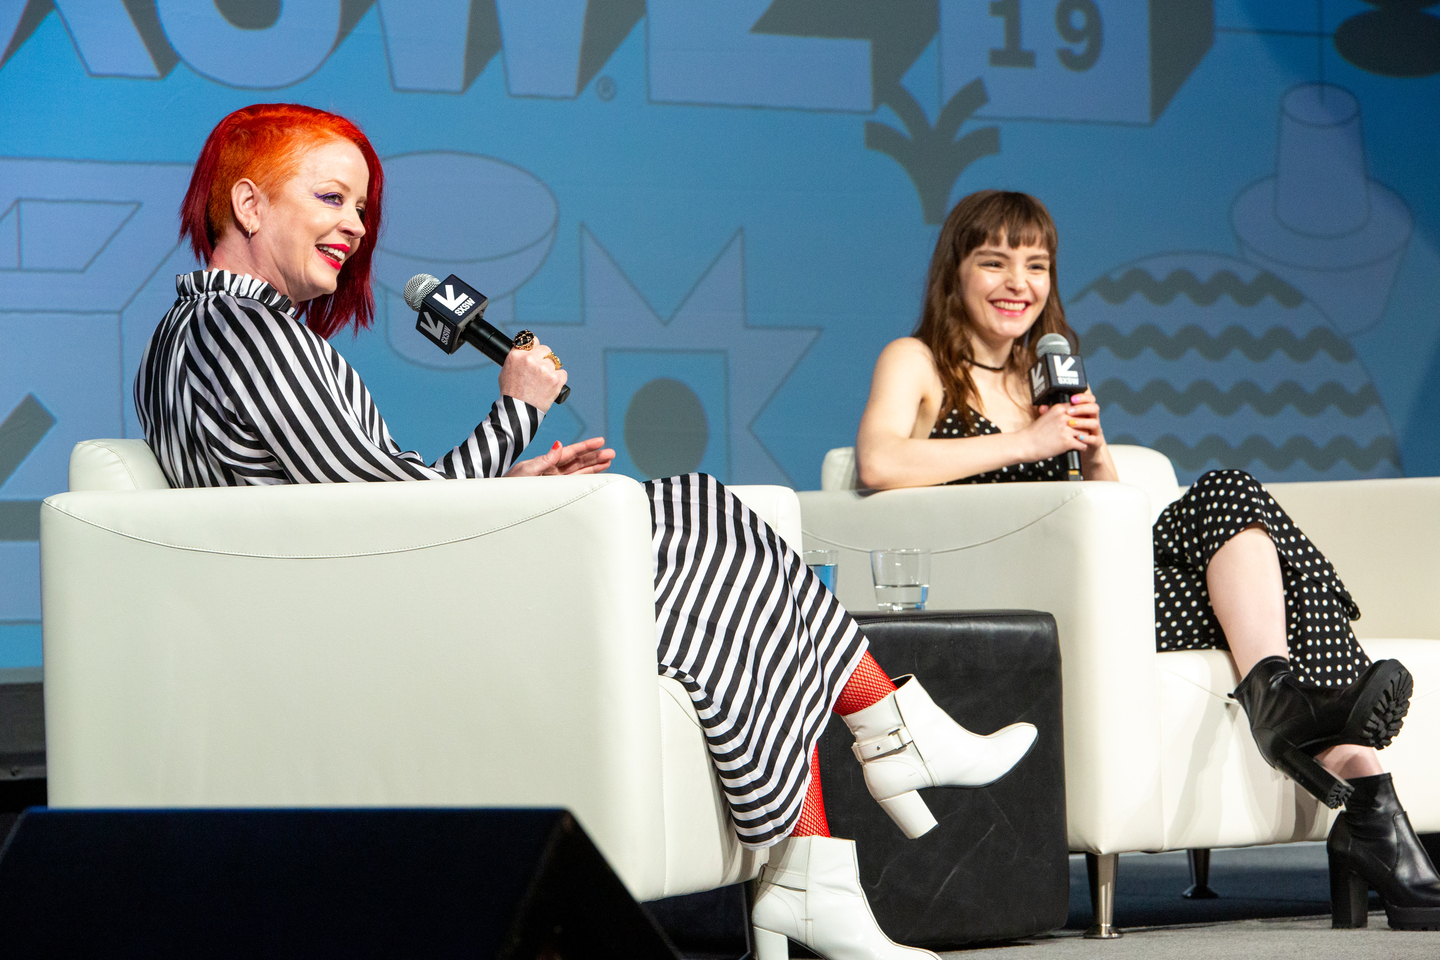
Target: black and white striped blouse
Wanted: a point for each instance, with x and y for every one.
(233, 390)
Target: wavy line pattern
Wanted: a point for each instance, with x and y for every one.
(1223, 283)
(1364, 459)
(1246, 393)
(1172, 346)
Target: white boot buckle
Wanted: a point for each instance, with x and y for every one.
(893, 742)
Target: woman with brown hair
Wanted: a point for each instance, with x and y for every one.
(951, 404)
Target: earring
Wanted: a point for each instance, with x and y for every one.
(249, 233)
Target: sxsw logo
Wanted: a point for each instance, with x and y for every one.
(435, 329)
(457, 303)
(550, 50)
(1065, 373)
(1037, 380)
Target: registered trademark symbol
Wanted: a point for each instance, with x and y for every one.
(605, 89)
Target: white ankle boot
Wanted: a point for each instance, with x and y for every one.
(810, 892)
(906, 743)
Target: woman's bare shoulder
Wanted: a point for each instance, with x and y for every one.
(907, 352)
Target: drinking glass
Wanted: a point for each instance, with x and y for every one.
(823, 563)
(902, 578)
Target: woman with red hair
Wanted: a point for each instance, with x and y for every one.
(235, 389)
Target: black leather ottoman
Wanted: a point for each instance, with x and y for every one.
(997, 865)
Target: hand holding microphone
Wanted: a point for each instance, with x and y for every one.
(452, 312)
(1057, 377)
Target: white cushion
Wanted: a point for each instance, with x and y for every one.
(838, 470)
(1141, 467)
(776, 505)
(115, 465)
(702, 850)
(1149, 470)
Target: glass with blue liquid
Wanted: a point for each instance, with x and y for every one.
(823, 562)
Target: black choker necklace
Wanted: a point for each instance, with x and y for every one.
(985, 366)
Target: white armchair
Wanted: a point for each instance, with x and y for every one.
(468, 643)
(1157, 756)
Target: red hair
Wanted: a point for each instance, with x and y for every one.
(266, 142)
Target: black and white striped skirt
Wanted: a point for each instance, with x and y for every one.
(760, 644)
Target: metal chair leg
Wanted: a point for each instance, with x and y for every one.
(1199, 875)
(1102, 869)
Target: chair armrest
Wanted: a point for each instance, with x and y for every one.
(487, 642)
(774, 504)
(1383, 536)
(1081, 551)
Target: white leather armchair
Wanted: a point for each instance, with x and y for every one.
(468, 643)
(1157, 756)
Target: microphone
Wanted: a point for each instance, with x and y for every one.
(1056, 377)
(452, 312)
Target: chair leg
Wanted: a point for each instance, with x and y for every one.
(1199, 888)
(1102, 869)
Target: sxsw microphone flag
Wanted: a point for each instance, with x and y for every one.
(447, 309)
(1056, 377)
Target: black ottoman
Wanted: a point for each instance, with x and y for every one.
(997, 865)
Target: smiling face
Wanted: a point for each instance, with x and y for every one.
(313, 223)
(1004, 289)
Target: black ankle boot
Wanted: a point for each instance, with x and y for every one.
(1292, 722)
(1373, 845)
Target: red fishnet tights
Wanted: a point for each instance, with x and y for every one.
(868, 684)
(812, 821)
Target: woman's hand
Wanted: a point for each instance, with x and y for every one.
(531, 376)
(583, 457)
(1083, 416)
(1057, 430)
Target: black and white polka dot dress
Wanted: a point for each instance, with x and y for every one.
(1221, 503)
(953, 425)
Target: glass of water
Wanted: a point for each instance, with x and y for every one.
(823, 562)
(902, 578)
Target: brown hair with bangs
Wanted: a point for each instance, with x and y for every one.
(993, 217)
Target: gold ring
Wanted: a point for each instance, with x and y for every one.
(551, 356)
(524, 340)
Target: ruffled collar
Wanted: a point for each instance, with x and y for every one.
(202, 282)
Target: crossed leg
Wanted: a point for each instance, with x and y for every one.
(1247, 594)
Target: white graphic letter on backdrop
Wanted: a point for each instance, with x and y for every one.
(111, 43)
(77, 242)
(692, 384)
(1217, 363)
(541, 40)
(1321, 223)
(434, 45)
(704, 52)
(486, 221)
(277, 55)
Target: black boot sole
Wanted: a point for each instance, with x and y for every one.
(1309, 775)
(1391, 706)
(1350, 905)
(1413, 918)
(1379, 711)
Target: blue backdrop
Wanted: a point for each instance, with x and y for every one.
(719, 212)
